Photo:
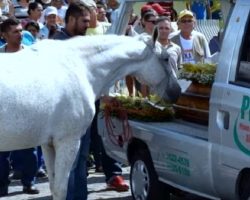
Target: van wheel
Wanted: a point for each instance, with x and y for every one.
(244, 187)
(144, 180)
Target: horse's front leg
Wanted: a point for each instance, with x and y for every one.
(49, 158)
(66, 151)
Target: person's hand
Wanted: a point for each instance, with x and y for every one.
(11, 8)
(128, 29)
(60, 21)
(1, 3)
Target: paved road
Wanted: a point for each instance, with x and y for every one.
(96, 187)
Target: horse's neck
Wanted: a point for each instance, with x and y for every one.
(107, 59)
(105, 71)
(107, 75)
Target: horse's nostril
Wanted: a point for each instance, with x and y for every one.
(174, 94)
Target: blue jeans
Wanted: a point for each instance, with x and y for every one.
(40, 159)
(27, 166)
(4, 169)
(96, 147)
(16, 160)
(110, 166)
(77, 185)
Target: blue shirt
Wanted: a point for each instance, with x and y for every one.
(61, 35)
(199, 8)
(2, 42)
(28, 38)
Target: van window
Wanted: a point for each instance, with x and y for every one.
(243, 71)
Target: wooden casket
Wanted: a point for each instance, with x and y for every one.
(193, 104)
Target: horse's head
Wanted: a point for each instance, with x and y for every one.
(105, 59)
(157, 74)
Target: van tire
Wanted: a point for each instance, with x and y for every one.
(244, 185)
(144, 180)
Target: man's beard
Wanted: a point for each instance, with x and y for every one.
(77, 31)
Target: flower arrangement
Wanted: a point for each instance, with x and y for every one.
(202, 73)
(137, 108)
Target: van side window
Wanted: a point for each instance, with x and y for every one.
(243, 71)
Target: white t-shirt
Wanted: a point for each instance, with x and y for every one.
(187, 47)
(100, 29)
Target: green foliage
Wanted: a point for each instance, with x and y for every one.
(201, 72)
(153, 109)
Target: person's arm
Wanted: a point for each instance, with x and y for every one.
(11, 9)
(208, 9)
(144, 90)
(179, 59)
(130, 85)
(206, 48)
(188, 4)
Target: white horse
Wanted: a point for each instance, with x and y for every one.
(47, 93)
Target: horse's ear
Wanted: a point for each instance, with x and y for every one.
(155, 34)
(147, 39)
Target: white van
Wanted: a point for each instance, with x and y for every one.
(210, 160)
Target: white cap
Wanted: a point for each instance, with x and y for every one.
(50, 10)
(46, 1)
(89, 3)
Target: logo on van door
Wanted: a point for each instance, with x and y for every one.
(242, 127)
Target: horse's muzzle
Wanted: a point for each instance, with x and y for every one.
(174, 93)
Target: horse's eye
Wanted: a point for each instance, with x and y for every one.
(166, 59)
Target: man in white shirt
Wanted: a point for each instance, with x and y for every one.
(51, 26)
(164, 28)
(193, 44)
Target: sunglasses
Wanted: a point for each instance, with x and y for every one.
(186, 21)
(151, 21)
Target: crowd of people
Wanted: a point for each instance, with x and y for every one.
(182, 43)
(57, 20)
(23, 23)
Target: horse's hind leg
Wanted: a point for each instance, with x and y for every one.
(66, 152)
(49, 158)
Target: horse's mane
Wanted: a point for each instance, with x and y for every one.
(97, 40)
(96, 44)
(89, 45)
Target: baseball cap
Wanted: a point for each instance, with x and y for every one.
(89, 3)
(145, 8)
(157, 7)
(184, 13)
(50, 10)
